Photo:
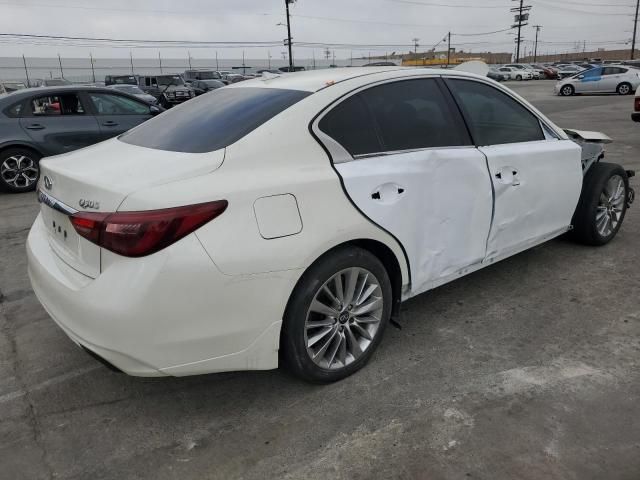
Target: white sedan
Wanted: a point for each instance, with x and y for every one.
(285, 219)
(607, 79)
(516, 73)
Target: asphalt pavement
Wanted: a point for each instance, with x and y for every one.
(528, 369)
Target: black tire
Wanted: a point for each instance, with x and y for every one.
(624, 89)
(28, 163)
(592, 203)
(519, 78)
(293, 343)
(567, 90)
(164, 103)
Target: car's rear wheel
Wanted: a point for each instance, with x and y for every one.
(336, 316)
(623, 89)
(567, 90)
(602, 206)
(19, 169)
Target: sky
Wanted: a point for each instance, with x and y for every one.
(355, 27)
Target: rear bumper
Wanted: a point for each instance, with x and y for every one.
(171, 313)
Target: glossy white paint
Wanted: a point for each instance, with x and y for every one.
(436, 202)
(537, 186)
(215, 300)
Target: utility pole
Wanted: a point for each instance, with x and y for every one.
(286, 4)
(535, 48)
(160, 62)
(521, 17)
(60, 63)
(93, 73)
(448, 49)
(26, 71)
(415, 46)
(635, 31)
(217, 68)
(269, 60)
(189, 58)
(131, 59)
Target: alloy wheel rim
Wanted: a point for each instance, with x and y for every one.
(344, 318)
(610, 206)
(567, 90)
(624, 89)
(19, 171)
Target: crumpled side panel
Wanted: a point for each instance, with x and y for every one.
(437, 203)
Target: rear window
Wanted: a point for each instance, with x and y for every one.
(213, 121)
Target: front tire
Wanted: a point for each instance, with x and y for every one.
(602, 205)
(567, 91)
(19, 170)
(519, 78)
(336, 316)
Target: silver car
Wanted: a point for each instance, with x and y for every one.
(606, 79)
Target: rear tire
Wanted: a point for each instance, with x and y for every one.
(567, 90)
(624, 89)
(19, 169)
(336, 316)
(602, 205)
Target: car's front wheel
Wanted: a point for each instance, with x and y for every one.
(336, 316)
(567, 91)
(519, 78)
(602, 206)
(19, 169)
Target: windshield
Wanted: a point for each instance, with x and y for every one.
(9, 86)
(212, 121)
(213, 83)
(133, 90)
(170, 80)
(124, 80)
(56, 82)
(207, 75)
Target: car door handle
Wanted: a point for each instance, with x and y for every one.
(508, 176)
(109, 123)
(35, 126)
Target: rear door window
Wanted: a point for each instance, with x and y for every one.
(403, 115)
(213, 121)
(494, 118)
(51, 105)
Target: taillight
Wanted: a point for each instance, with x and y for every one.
(636, 104)
(136, 234)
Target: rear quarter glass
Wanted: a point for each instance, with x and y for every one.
(213, 121)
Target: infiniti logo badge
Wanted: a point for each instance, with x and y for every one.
(48, 183)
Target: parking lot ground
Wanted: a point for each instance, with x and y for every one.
(529, 369)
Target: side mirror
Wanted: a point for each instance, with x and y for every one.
(154, 110)
(580, 77)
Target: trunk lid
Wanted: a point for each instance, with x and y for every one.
(98, 179)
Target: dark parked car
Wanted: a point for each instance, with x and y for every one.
(39, 122)
(204, 86)
(192, 75)
(120, 80)
(170, 90)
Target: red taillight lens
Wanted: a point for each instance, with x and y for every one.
(136, 234)
(636, 104)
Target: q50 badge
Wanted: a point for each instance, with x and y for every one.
(89, 204)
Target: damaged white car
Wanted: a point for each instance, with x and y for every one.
(284, 219)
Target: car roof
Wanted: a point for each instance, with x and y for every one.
(314, 80)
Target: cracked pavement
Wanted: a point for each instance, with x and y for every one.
(527, 369)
